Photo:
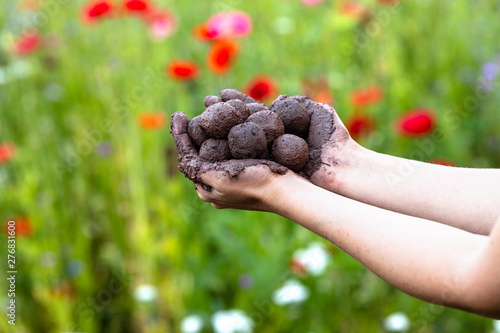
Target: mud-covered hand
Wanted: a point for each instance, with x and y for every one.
(234, 183)
(329, 143)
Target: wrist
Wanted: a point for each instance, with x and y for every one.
(280, 190)
(343, 162)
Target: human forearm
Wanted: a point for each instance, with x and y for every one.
(420, 257)
(464, 198)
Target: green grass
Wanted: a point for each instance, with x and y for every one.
(127, 219)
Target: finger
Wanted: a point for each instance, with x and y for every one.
(228, 94)
(217, 206)
(210, 179)
(179, 124)
(203, 193)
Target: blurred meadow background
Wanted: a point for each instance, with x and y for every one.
(111, 238)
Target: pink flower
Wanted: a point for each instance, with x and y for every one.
(229, 25)
(161, 25)
(312, 2)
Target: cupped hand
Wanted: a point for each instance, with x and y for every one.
(329, 142)
(242, 184)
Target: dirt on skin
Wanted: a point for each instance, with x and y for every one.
(270, 122)
(291, 151)
(247, 140)
(214, 150)
(293, 115)
(321, 129)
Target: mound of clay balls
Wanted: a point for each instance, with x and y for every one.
(235, 126)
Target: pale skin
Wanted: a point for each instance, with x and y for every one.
(433, 233)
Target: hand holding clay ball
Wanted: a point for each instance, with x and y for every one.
(236, 131)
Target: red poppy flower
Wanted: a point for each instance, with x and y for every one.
(183, 70)
(152, 121)
(22, 226)
(96, 10)
(443, 161)
(222, 55)
(7, 152)
(360, 126)
(201, 33)
(353, 9)
(367, 96)
(261, 88)
(136, 6)
(318, 90)
(26, 45)
(417, 122)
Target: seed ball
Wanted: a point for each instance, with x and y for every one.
(291, 151)
(247, 140)
(293, 115)
(214, 150)
(256, 107)
(211, 99)
(218, 119)
(241, 108)
(270, 122)
(228, 94)
(195, 132)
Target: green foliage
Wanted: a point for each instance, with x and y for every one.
(130, 219)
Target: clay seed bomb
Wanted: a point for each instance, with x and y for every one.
(214, 150)
(292, 114)
(291, 151)
(218, 119)
(195, 132)
(247, 140)
(270, 122)
(228, 94)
